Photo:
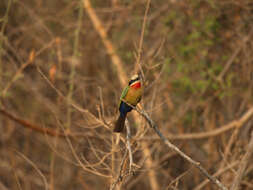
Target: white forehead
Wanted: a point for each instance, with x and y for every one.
(134, 77)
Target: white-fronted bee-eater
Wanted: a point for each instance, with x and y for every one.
(131, 95)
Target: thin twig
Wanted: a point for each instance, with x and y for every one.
(72, 103)
(235, 54)
(2, 37)
(36, 168)
(218, 173)
(18, 73)
(80, 163)
(178, 178)
(243, 165)
(138, 64)
(73, 63)
(231, 141)
(152, 124)
(29, 61)
(128, 145)
(146, 151)
(121, 175)
(201, 135)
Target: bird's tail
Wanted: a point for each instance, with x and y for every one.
(120, 123)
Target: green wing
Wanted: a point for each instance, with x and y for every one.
(124, 93)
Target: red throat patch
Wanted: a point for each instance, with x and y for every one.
(136, 85)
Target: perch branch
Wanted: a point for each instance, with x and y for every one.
(152, 124)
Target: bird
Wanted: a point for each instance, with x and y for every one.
(130, 97)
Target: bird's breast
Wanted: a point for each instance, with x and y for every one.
(133, 96)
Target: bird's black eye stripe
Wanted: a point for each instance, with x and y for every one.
(132, 81)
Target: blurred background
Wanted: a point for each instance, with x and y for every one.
(63, 65)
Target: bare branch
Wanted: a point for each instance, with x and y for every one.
(138, 61)
(218, 173)
(152, 124)
(235, 54)
(32, 126)
(107, 43)
(238, 123)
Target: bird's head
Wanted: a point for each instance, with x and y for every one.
(135, 81)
